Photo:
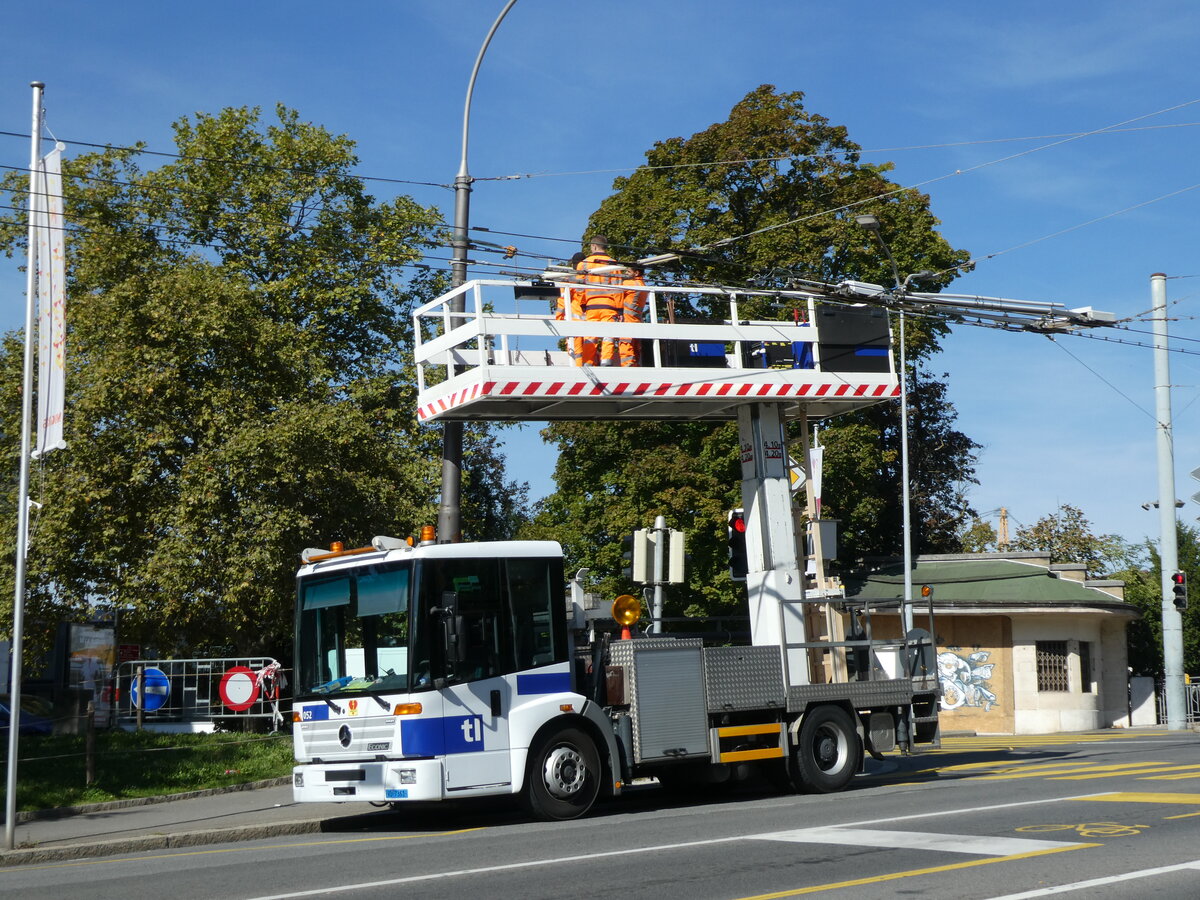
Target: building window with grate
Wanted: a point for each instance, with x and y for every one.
(1052, 666)
(1085, 667)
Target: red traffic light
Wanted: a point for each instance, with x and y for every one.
(1179, 577)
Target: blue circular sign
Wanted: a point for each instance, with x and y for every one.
(150, 692)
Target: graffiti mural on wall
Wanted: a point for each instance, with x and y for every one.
(965, 679)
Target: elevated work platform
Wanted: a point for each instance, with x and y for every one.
(504, 357)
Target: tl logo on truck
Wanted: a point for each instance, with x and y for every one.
(472, 729)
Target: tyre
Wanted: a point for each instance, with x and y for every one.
(563, 777)
(828, 751)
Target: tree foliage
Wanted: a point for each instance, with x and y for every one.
(1067, 536)
(1142, 575)
(766, 198)
(237, 386)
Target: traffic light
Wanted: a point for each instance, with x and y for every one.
(737, 544)
(1179, 590)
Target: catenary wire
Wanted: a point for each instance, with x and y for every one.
(227, 162)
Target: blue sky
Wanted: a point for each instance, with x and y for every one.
(575, 93)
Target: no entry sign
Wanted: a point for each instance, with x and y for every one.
(239, 688)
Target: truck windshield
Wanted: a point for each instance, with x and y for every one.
(353, 629)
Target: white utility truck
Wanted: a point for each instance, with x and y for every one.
(427, 671)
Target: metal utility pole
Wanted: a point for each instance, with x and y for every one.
(449, 527)
(871, 224)
(1172, 621)
(18, 643)
(661, 537)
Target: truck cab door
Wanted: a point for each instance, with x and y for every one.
(475, 730)
(476, 692)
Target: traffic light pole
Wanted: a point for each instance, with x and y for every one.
(1172, 621)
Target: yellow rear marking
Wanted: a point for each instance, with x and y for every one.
(736, 730)
(742, 755)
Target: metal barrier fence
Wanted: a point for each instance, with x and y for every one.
(1191, 702)
(191, 691)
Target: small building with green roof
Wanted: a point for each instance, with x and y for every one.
(1023, 646)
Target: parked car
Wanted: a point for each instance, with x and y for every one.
(34, 716)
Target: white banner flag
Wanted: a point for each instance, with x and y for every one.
(47, 210)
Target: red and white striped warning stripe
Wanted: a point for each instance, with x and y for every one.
(646, 389)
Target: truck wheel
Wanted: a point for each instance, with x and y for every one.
(828, 751)
(563, 777)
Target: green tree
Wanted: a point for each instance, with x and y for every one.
(1142, 574)
(766, 197)
(978, 537)
(238, 386)
(1067, 537)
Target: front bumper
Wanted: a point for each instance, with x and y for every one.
(390, 781)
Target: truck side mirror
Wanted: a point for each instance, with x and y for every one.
(450, 629)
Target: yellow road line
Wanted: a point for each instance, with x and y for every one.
(1092, 772)
(1138, 797)
(912, 873)
(998, 767)
(1130, 770)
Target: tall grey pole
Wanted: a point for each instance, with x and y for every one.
(871, 224)
(449, 527)
(660, 551)
(1168, 550)
(906, 610)
(18, 642)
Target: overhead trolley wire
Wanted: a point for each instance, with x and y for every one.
(956, 172)
(232, 162)
(863, 151)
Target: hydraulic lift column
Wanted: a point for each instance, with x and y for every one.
(774, 582)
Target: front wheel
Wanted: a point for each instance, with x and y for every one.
(828, 751)
(563, 777)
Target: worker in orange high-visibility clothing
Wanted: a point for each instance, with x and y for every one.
(600, 305)
(633, 309)
(566, 295)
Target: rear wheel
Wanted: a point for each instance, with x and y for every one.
(827, 753)
(563, 778)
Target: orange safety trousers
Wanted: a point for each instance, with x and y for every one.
(599, 306)
(574, 344)
(633, 309)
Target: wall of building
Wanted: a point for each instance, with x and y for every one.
(976, 674)
(1075, 709)
(987, 667)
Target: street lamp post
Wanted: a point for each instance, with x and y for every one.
(449, 527)
(871, 224)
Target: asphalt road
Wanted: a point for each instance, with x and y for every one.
(1111, 815)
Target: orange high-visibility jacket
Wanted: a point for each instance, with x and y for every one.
(596, 304)
(634, 302)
